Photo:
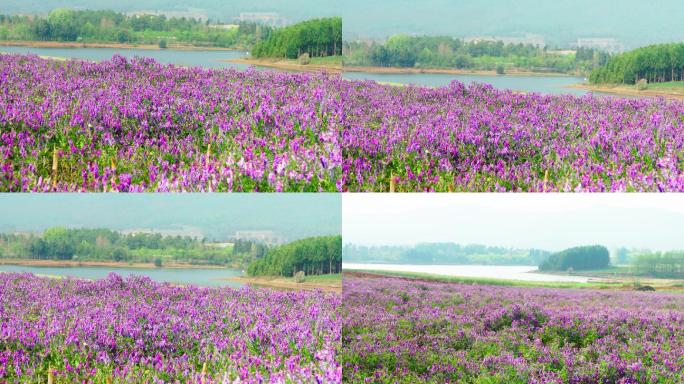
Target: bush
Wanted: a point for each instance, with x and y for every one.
(158, 262)
(299, 277)
(162, 44)
(642, 84)
(500, 69)
(577, 258)
(304, 59)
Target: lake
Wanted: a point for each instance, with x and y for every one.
(540, 84)
(216, 59)
(504, 272)
(191, 58)
(202, 277)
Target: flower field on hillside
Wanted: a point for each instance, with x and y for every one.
(135, 330)
(137, 125)
(405, 331)
(477, 138)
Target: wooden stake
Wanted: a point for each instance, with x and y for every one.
(55, 161)
(546, 180)
(204, 372)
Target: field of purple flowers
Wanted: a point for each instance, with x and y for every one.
(477, 138)
(135, 330)
(133, 125)
(406, 331)
(137, 125)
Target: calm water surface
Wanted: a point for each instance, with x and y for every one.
(194, 58)
(540, 84)
(202, 277)
(216, 59)
(506, 272)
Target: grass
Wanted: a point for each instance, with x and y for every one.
(328, 60)
(490, 281)
(331, 278)
(670, 85)
(676, 286)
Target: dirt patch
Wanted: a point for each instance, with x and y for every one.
(287, 65)
(287, 284)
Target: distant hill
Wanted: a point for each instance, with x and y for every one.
(291, 10)
(577, 259)
(218, 216)
(561, 22)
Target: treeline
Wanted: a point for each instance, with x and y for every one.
(655, 64)
(577, 258)
(443, 253)
(67, 25)
(660, 264)
(317, 38)
(107, 245)
(448, 52)
(313, 256)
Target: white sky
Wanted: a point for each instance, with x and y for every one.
(547, 221)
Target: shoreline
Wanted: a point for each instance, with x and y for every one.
(451, 71)
(613, 284)
(104, 264)
(622, 90)
(287, 65)
(68, 44)
(286, 283)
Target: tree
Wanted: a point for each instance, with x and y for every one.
(313, 256)
(577, 258)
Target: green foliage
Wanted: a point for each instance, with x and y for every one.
(314, 256)
(448, 52)
(660, 264)
(106, 245)
(444, 253)
(70, 25)
(578, 258)
(655, 64)
(317, 37)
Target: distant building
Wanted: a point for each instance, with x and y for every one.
(224, 26)
(193, 232)
(220, 245)
(190, 13)
(606, 44)
(267, 18)
(528, 39)
(266, 237)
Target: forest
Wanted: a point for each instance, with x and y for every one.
(577, 258)
(317, 38)
(660, 264)
(655, 64)
(60, 243)
(447, 52)
(313, 256)
(443, 253)
(90, 26)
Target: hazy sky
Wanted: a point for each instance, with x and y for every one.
(552, 222)
(633, 22)
(217, 215)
